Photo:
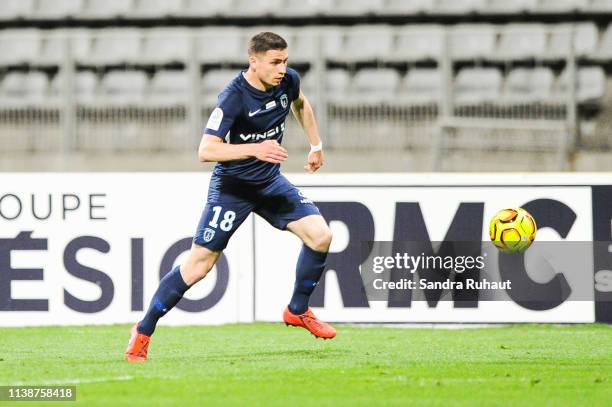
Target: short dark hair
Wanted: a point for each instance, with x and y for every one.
(265, 41)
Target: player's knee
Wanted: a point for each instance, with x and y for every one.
(198, 266)
(322, 240)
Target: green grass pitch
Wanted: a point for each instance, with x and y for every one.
(270, 364)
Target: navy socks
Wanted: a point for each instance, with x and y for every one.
(169, 293)
(171, 288)
(309, 269)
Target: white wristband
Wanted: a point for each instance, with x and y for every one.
(318, 147)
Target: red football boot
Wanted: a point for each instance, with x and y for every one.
(309, 321)
(138, 346)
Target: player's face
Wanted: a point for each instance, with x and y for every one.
(270, 66)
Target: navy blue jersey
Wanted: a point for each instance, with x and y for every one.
(245, 114)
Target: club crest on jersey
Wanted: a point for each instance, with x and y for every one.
(208, 234)
(284, 100)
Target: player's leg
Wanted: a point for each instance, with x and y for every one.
(174, 285)
(218, 223)
(170, 291)
(316, 236)
(286, 208)
(198, 264)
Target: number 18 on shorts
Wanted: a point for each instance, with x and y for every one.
(219, 222)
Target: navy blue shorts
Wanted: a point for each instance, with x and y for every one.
(230, 202)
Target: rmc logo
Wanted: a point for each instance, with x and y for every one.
(466, 226)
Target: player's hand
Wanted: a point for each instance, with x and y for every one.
(315, 161)
(270, 151)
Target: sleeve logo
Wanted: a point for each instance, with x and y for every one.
(214, 121)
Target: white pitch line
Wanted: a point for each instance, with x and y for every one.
(427, 325)
(69, 381)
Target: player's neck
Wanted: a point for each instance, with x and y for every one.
(253, 80)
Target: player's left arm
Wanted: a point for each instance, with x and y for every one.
(302, 110)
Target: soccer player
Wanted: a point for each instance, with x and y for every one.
(243, 135)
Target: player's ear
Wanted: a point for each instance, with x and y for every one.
(252, 60)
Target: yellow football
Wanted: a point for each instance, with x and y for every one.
(512, 230)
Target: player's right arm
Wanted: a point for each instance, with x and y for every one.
(214, 148)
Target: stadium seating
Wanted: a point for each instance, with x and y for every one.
(214, 81)
(522, 41)
(421, 87)
(53, 42)
(12, 9)
(604, 50)
(19, 89)
(124, 88)
(509, 60)
(355, 7)
(525, 85)
(599, 6)
(585, 36)
(85, 88)
(458, 6)
(362, 43)
(308, 83)
(106, 9)
(560, 6)
(166, 45)
(19, 46)
(407, 7)
(477, 85)
(253, 8)
(53, 48)
(205, 8)
(417, 43)
(368, 86)
(168, 88)
(57, 9)
(303, 8)
(141, 9)
(365, 43)
(336, 81)
(590, 86)
(221, 44)
(114, 46)
(155, 8)
(372, 86)
(411, 43)
(509, 7)
(305, 45)
(472, 41)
